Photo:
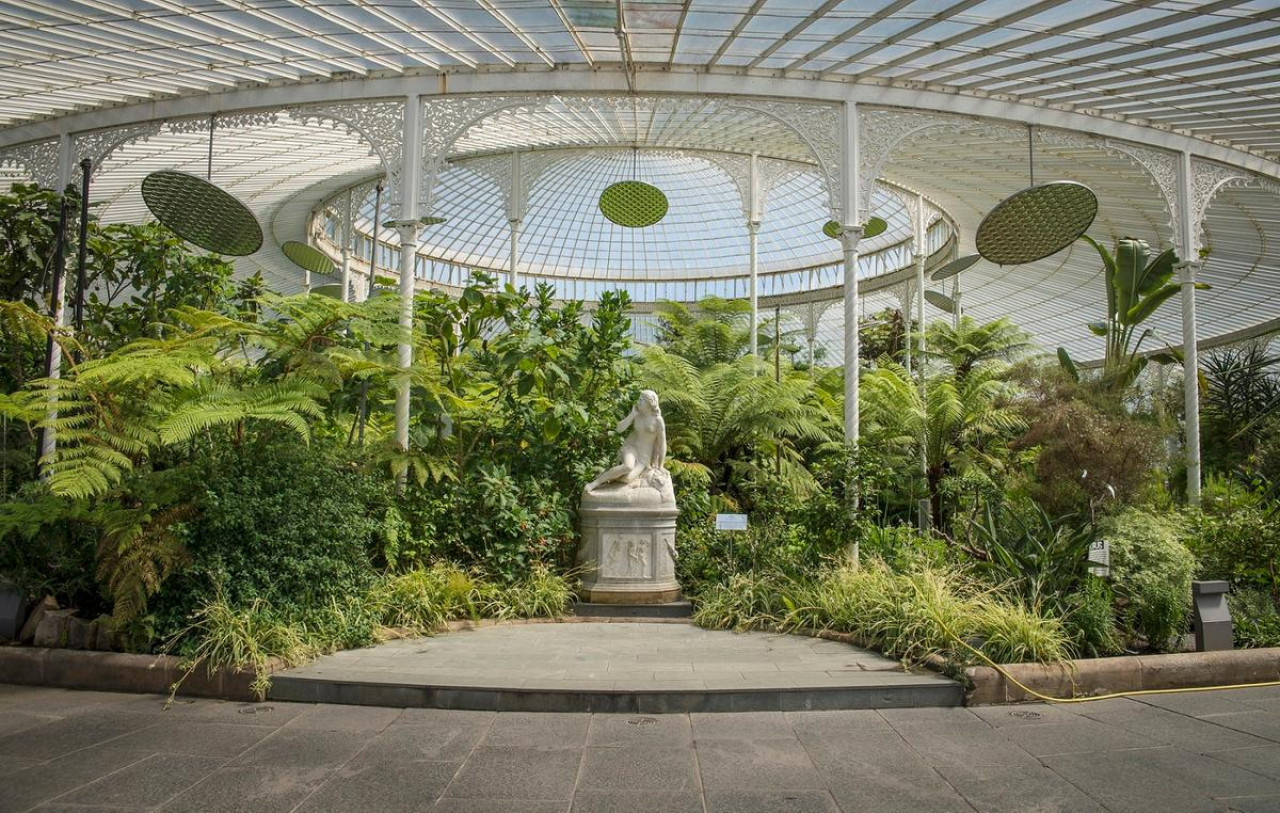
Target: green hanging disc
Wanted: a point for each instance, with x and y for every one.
(202, 213)
(633, 204)
(307, 257)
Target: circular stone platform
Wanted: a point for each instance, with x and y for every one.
(614, 667)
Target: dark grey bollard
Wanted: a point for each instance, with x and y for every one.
(1211, 618)
(13, 611)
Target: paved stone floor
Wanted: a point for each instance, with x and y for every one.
(623, 656)
(89, 751)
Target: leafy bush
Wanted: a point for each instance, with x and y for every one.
(293, 526)
(1256, 618)
(1241, 545)
(1151, 569)
(1090, 620)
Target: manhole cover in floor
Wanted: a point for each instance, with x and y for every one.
(641, 721)
(256, 710)
(1026, 715)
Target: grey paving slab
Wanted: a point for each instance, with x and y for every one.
(647, 801)
(639, 768)
(756, 764)
(24, 789)
(792, 801)
(517, 773)
(1171, 728)
(757, 725)
(1006, 789)
(343, 718)
(1254, 804)
(195, 738)
(1081, 736)
(1157, 780)
(609, 730)
(499, 806)
(1264, 760)
(15, 722)
(539, 731)
(73, 733)
(148, 783)
(387, 787)
(310, 752)
(244, 789)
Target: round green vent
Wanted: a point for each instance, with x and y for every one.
(332, 290)
(1036, 222)
(422, 221)
(955, 266)
(201, 213)
(872, 228)
(633, 204)
(306, 257)
(940, 301)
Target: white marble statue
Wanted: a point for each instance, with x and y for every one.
(645, 448)
(628, 516)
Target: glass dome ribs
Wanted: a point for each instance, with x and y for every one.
(699, 249)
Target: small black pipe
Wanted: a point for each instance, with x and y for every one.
(86, 170)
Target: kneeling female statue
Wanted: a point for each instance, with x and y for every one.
(644, 448)
(629, 517)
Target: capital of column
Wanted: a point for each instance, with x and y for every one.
(407, 229)
(1187, 270)
(753, 226)
(850, 236)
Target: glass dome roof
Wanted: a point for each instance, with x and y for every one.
(703, 237)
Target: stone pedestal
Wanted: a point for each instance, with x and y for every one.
(629, 541)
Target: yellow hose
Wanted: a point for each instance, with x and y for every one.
(1047, 698)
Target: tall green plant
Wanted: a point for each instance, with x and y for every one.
(1136, 286)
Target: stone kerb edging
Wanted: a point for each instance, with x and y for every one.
(155, 674)
(1099, 676)
(118, 672)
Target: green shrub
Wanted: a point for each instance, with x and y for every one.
(1090, 620)
(293, 526)
(1242, 545)
(1256, 616)
(1151, 570)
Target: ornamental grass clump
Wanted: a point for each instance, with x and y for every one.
(927, 611)
(251, 637)
(911, 615)
(423, 599)
(541, 593)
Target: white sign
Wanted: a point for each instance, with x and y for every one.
(1100, 557)
(731, 522)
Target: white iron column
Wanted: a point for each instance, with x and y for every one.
(49, 438)
(407, 226)
(918, 233)
(850, 234)
(753, 227)
(1190, 356)
(1191, 379)
(346, 248)
(514, 219)
(904, 299)
(849, 242)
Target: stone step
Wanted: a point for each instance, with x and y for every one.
(634, 612)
